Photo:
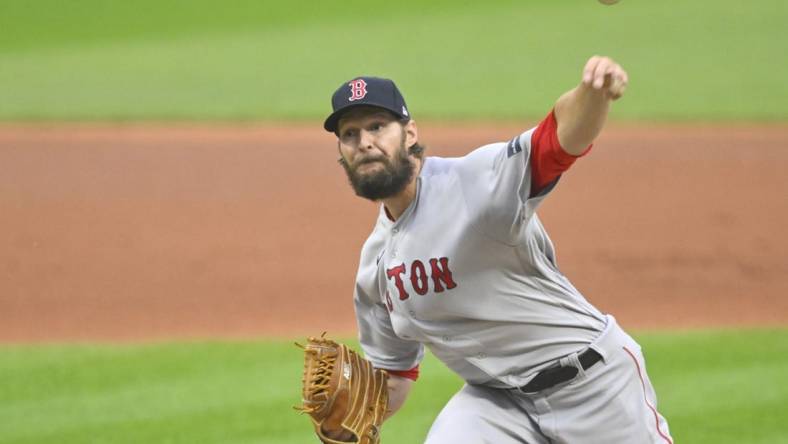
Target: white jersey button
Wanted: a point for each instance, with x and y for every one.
(481, 355)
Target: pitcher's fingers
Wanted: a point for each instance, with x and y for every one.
(618, 85)
(588, 70)
(601, 70)
(622, 77)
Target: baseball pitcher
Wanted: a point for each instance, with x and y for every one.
(459, 262)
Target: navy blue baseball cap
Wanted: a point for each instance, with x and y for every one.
(367, 91)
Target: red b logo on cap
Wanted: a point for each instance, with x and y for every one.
(358, 89)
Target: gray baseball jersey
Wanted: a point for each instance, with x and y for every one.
(469, 271)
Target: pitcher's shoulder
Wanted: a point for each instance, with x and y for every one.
(438, 166)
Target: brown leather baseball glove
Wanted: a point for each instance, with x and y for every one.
(345, 396)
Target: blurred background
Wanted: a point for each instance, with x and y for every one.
(172, 213)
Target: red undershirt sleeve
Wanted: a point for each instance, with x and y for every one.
(548, 158)
(412, 374)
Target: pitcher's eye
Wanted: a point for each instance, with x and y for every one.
(348, 134)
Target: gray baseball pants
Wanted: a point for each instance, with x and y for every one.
(611, 402)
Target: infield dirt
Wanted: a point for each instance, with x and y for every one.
(134, 232)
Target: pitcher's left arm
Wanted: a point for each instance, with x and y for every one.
(581, 112)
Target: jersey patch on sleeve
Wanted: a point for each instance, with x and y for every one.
(513, 147)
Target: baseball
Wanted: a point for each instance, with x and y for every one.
(608, 2)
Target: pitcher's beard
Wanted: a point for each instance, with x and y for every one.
(384, 182)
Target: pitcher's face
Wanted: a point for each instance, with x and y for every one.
(372, 144)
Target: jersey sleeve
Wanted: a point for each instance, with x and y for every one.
(412, 374)
(380, 343)
(548, 159)
(501, 186)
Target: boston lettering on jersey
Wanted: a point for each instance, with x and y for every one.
(440, 276)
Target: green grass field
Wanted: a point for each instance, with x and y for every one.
(261, 59)
(714, 387)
